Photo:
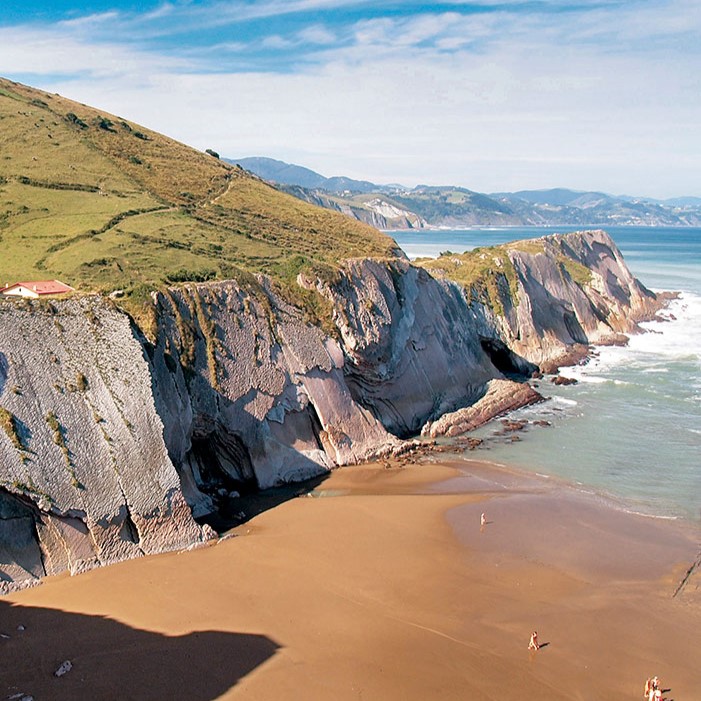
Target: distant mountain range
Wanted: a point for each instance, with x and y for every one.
(398, 207)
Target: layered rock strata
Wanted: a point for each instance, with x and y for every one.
(572, 290)
(85, 476)
(113, 446)
(500, 397)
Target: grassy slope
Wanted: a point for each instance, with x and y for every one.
(101, 203)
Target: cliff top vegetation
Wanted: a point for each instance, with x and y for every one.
(103, 204)
(488, 274)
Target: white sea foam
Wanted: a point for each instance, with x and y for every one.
(658, 517)
(679, 336)
(564, 401)
(581, 376)
(676, 340)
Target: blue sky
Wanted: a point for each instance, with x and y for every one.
(490, 95)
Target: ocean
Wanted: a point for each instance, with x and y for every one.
(630, 429)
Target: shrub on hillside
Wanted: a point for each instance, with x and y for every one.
(74, 119)
(184, 275)
(104, 123)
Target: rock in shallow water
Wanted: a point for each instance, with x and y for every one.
(500, 397)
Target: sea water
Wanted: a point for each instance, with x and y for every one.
(631, 427)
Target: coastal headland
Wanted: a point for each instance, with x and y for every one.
(223, 338)
(381, 584)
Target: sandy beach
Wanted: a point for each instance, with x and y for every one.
(381, 584)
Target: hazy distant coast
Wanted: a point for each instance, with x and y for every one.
(436, 207)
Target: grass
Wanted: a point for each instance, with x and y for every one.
(102, 204)
(487, 275)
(578, 273)
(572, 269)
(8, 424)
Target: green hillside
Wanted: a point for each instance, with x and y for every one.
(103, 204)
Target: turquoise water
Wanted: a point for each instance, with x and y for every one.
(631, 427)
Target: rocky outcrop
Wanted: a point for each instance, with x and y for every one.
(250, 395)
(384, 215)
(571, 290)
(499, 398)
(411, 351)
(113, 446)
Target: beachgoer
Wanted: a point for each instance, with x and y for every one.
(483, 520)
(648, 686)
(533, 642)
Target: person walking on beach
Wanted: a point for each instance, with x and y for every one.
(483, 520)
(533, 643)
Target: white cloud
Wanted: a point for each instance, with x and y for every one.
(530, 104)
(275, 41)
(191, 16)
(317, 34)
(50, 52)
(90, 20)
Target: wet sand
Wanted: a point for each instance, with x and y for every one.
(380, 585)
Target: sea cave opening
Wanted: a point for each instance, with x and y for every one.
(508, 363)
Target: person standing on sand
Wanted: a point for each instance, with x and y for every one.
(533, 643)
(648, 686)
(483, 520)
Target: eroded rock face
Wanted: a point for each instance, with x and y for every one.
(240, 368)
(112, 446)
(85, 477)
(412, 351)
(560, 307)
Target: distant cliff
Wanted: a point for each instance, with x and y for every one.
(376, 210)
(450, 206)
(115, 446)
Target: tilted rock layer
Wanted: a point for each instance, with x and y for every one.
(111, 445)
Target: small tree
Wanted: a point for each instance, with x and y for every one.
(212, 153)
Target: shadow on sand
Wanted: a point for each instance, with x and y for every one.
(233, 512)
(112, 661)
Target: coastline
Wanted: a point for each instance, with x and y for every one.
(381, 585)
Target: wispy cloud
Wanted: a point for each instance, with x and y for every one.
(91, 21)
(51, 52)
(484, 93)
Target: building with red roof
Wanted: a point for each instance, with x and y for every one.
(37, 288)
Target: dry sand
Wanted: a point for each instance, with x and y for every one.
(382, 587)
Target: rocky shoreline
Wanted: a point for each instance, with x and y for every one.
(239, 393)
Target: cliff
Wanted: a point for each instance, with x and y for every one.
(86, 478)
(543, 301)
(572, 290)
(115, 445)
(377, 210)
